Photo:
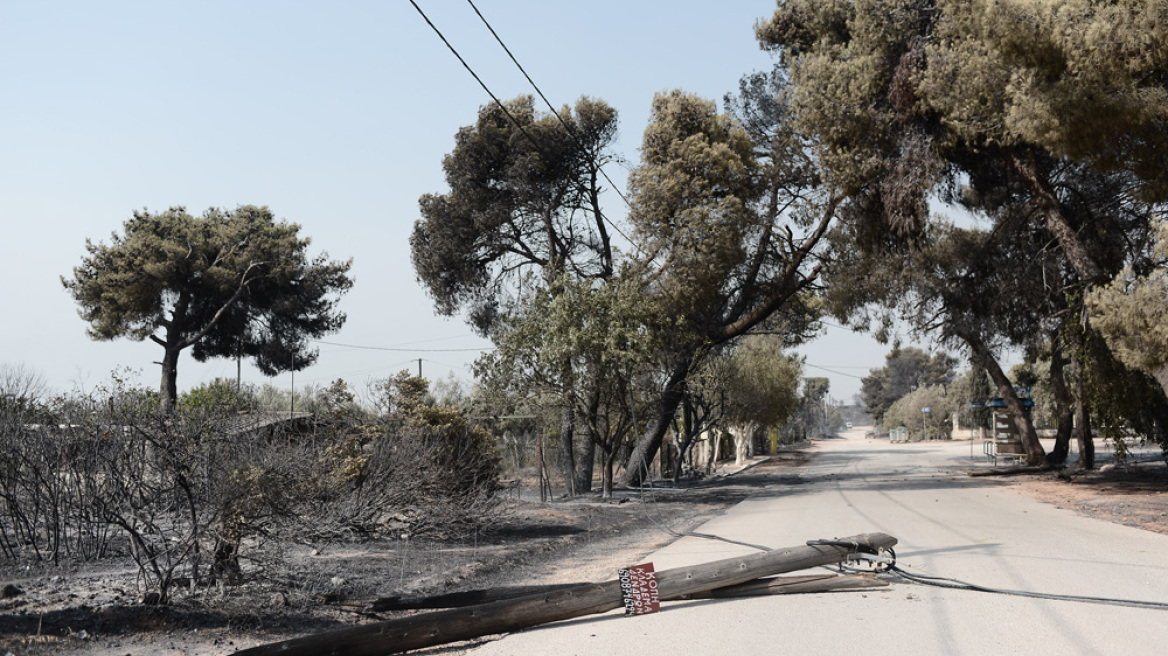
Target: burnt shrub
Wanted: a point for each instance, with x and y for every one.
(420, 470)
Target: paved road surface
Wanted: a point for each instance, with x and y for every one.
(948, 525)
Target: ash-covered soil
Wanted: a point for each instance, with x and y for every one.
(95, 609)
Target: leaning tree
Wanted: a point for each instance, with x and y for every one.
(729, 212)
(523, 211)
(908, 98)
(225, 284)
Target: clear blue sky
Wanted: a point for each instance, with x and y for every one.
(334, 114)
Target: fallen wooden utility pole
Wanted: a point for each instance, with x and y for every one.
(466, 598)
(774, 585)
(441, 627)
(794, 585)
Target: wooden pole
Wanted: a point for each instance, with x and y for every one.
(441, 627)
(774, 585)
(795, 585)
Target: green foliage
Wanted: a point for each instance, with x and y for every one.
(219, 395)
(562, 337)
(1132, 314)
(691, 200)
(972, 385)
(227, 284)
(421, 469)
(908, 412)
(517, 197)
(1118, 396)
(983, 104)
(905, 370)
(814, 417)
(881, 80)
(1081, 79)
(763, 383)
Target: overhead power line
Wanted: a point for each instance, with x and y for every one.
(475, 75)
(832, 371)
(508, 113)
(405, 350)
(547, 102)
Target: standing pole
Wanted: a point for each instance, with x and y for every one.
(544, 492)
(238, 364)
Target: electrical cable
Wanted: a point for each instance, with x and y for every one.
(832, 371)
(942, 582)
(508, 113)
(470, 70)
(403, 350)
(885, 563)
(547, 102)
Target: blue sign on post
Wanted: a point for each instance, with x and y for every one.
(924, 409)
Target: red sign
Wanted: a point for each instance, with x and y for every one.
(639, 589)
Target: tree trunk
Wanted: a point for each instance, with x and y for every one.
(685, 436)
(743, 441)
(637, 468)
(567, 447)
(1049, 208)
(606, 474)
(1035, 453)
(168, 390)
(586, 460)
(1082, 420)
(1062, 402)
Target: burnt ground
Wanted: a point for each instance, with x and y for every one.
(93, 610)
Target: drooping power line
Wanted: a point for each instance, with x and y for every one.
(508, 113)
(547, 102)
(404, 350)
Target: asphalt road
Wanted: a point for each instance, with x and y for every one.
(948, 525)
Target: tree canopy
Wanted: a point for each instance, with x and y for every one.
(763, 383)
(1047, 119)
(907, 98)
(905, 369)
(225, 284)
(524, 199)
(1132, 314)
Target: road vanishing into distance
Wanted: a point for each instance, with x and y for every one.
(948, 525)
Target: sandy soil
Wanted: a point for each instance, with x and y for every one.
(1133, 495)
(92, 610)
